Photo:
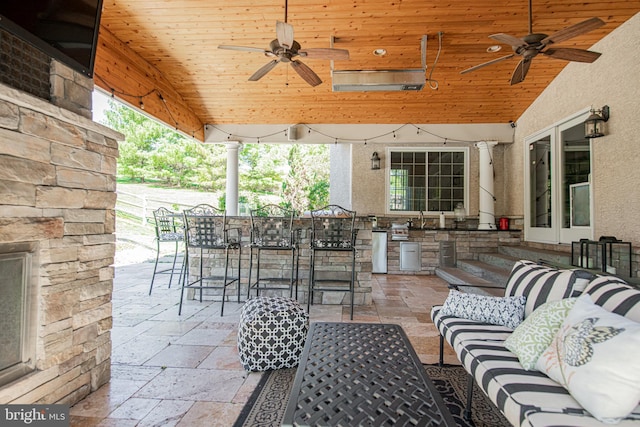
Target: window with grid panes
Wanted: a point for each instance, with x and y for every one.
(427, 180)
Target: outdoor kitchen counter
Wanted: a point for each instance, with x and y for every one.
(468, 244)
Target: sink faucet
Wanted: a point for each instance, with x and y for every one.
(421, 220)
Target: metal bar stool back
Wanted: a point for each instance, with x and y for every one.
(272, 231)
(332, 229)
(169, 229)
(207, 232)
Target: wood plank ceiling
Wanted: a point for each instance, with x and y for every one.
(179, 38)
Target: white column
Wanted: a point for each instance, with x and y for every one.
(232, 178)
(487, 199)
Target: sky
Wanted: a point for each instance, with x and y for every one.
(100, 104)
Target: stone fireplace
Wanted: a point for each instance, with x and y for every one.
(57, 219)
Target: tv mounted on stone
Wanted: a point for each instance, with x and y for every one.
(66, 30)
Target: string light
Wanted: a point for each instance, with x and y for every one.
(141, 105)
(393, 133)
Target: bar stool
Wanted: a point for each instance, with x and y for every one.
(272, 232)
(168, 225)
(332, 230)
(207, 231)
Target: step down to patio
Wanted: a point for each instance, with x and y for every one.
(468, 282)
(489, 274)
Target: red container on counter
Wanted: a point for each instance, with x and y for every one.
(503, 224)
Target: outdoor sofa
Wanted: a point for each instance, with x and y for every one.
(565, 334)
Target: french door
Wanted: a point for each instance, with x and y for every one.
(559, 191)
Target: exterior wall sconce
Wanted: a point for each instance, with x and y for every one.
(594, 125)
(375, 161)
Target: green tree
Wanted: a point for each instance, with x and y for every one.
(142, 137)
(292, 175)
(307, 183)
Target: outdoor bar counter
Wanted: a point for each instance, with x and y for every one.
(468, 244)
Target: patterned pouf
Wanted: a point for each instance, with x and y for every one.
(271, 333)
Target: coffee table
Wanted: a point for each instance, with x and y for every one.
(356, 374)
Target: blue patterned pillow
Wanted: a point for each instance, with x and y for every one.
(505, 311)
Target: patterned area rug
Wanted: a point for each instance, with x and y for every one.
(265, 407)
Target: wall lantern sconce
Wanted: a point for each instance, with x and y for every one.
(375, 161)
(594, 125)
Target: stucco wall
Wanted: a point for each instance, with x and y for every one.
(611, 80)
(369, 192)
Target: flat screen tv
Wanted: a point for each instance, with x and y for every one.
(66, 30)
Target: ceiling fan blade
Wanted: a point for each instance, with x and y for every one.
(306, 73)
(475, 67)
(573, 31)
(264, 70)
(325, 53)
(570, 54)
(521, 71)
(284, 33)
(508, 39)
(244, 49)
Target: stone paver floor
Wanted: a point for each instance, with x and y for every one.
(170, 370)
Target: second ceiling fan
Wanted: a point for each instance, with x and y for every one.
(529, 46)
(285, 49)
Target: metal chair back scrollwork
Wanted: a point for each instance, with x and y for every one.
(207, 231)
(272, 230)
(169, 229)
(332, 229)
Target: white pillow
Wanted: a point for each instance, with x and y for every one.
(505, 311)
(595, 357)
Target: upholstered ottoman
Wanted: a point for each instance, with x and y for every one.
(271, 333)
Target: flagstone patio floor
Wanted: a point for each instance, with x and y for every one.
(170, 370)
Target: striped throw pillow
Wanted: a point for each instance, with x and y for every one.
(539, 284)
(616, 296)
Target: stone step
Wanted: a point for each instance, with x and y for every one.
(468, 282)
(492, 273)
(500, 260)
(537, 254)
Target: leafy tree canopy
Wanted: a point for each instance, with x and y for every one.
(291, 175)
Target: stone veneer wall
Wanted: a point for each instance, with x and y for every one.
(57, 197)
(276, 264)
(469, 244)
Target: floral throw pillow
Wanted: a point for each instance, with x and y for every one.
(595, 357)
(536, 332)
(505, 311)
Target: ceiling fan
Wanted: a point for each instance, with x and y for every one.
(285, 49)
(529, 46)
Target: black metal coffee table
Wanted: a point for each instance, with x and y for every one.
(360, 374)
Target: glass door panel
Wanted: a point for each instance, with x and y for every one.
(575, 173)
(540, 179)
(541, 224)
